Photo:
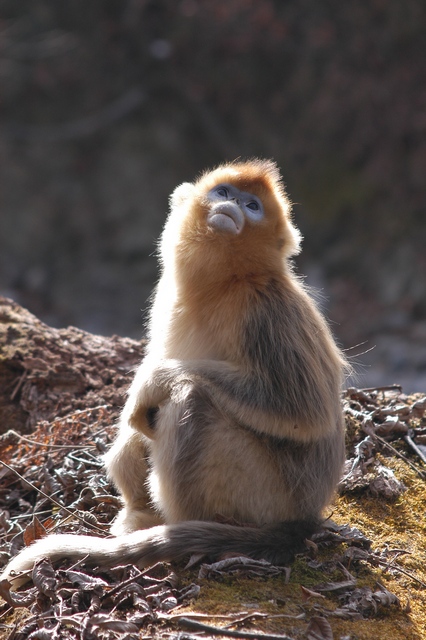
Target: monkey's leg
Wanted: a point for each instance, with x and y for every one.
(204, 465)
(127, 465)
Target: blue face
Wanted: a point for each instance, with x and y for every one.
(230, 208)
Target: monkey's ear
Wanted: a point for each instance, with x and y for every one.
(181, 194)
(294, 240)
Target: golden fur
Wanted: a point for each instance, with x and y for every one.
(235, 410)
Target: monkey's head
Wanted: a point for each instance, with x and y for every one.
(238, 215)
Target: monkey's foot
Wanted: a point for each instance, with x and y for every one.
(129, 520)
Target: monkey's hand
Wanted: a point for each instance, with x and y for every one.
(154, 383)
(145, 395)
(248, 396)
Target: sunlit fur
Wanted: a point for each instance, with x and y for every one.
(235, 409)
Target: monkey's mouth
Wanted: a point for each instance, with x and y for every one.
(226, 217)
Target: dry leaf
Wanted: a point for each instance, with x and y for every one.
(189, 592)
(240, 565)
(15, 599)
(34, 531)
(386, 484)
(418, 408)
(128, 595)
(308, 593)
(84, 580)
(385, 597)
(111, 624)
(362, 602)
(319, 629)
(43, 576)
(195, 560)
(336, 586)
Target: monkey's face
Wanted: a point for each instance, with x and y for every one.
(230, 209)
(232, 220)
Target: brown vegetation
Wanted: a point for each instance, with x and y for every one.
(363, 576)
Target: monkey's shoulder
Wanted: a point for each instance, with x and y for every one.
(283, 310)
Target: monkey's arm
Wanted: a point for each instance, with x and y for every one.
(284, 381)
(250, 397)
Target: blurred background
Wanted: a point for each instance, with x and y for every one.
(106, 106)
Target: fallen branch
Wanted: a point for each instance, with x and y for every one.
(396, 567)
(384, 442)
(415, 448)
(192, 625)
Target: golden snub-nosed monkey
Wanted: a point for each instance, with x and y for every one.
(235, 410)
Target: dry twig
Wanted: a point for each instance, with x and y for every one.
(192, 625)
(58, 504)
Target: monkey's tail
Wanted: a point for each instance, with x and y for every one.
(276, 543)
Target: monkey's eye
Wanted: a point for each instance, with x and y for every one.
(222, 192)
(253, 205)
